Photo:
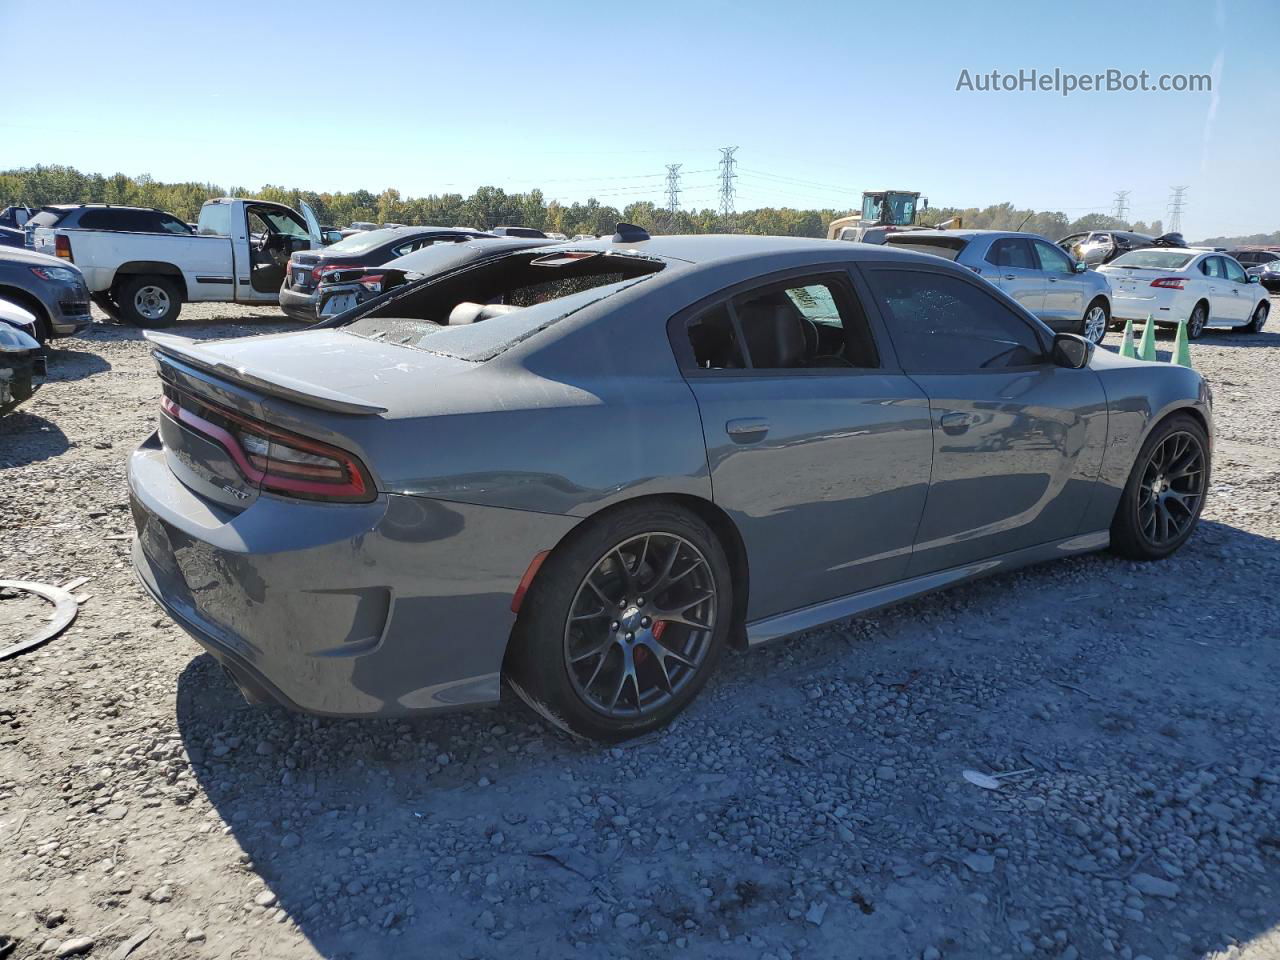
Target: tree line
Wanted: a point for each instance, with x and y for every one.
(491, 206)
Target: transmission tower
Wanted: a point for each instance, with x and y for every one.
(1122, 205)
(728, 166)
(673, 187)
(1177, 201)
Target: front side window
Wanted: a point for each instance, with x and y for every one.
(803, 324)
(1234, 271)
(1051, 258)
(940, 323)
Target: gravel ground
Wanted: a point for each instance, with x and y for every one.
(811, 803)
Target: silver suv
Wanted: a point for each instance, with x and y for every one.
(1065, 294)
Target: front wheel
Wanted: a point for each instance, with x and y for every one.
(1164, 495)
(149, 301)
(624, 623)
(1258, 318)
(1097, 319)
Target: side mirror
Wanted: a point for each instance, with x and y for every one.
(1071, 351)
(1254, 278)
(1081, 266)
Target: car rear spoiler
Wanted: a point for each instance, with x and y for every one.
(269, 382)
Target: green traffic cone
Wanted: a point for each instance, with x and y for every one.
(1126, 345)
(1147, 348)
(1181, 349)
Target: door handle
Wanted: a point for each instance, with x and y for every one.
(1010, 276)
(747, 429)
(956, 423)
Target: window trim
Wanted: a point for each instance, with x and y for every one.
(1041, 331)
(837, 275)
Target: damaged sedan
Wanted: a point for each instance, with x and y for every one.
(582, 471)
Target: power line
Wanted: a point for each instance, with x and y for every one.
(1177, 201)
(727, 176)
(673, 187)
(1122, 205)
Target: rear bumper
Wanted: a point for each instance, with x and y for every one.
(387, 608)
(298, 305)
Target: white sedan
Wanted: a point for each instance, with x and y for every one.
(1205, 288)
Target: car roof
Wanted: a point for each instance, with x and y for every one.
(709, 248)
(962, 233)
(99, 206)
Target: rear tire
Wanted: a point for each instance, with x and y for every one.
(149, 302)
(585, 635)
(1096, 321)
(1164, 496)
(1195, 323)
(1259, 318)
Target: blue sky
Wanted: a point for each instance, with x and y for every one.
(822, 99)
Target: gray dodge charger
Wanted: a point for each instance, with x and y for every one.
(584, 470)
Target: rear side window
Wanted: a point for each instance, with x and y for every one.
(1212, 267)
(943, 324)
(1012, 252)
(803, 324)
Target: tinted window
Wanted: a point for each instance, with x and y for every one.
(715, 344)
(946, 247)
(419, 242)
(803, 324)
(1234, 271)
(171, 224)
(943, 323)
(1052, 259)
(800, 324)
(1011, 252)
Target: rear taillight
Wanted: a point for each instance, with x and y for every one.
(277, 460)
(62, 247)
(1169, 283)
(372, 282)
(322, 271)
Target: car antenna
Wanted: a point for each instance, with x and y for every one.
(1024, 222)
(630, 233)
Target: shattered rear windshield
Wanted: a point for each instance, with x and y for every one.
(484, 339)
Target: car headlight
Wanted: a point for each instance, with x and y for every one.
(56, 273)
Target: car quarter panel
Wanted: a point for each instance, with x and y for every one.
(1139, 395)
(387, 607)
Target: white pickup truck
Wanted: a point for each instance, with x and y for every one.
(144, 264)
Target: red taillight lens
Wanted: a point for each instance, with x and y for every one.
(1169, 283)
(62, 247)
(277, 460)
(372, 282)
